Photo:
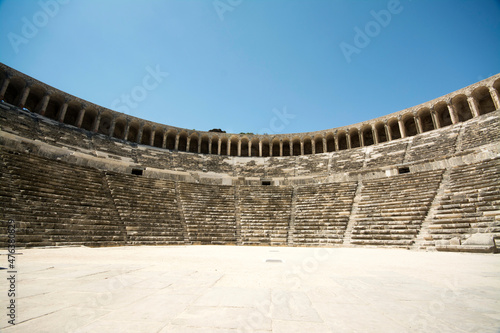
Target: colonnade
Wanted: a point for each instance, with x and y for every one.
(24, 92)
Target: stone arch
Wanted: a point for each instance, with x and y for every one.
(214, 147)
(410, 125)
(318, 144)
(223, 146)
(244, 146)
(286, 147)
(233, 151)
(89, 117)
(393, 125)
(265, 147)
(171, 135)
(105, 122)
(204, 144)
(484, 101)
(14, 90)
(380, 129)
(443, 114)
(35, 97)
(425, 117)
(275, 143)
(367, 133)
(255, 147)
(146, 134)
(496, 85)
(53, 107)
(158, 137)
(193, 143)
(120, 126)
(133, 131)
(461, 106)
(296, 151)
(354, 135)
(72, 113)
(330, 142)
(342, 137)
(307, 145)
(182, 141)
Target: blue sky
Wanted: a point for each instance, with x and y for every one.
(237, 64)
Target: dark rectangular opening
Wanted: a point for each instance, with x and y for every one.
(266, 182)
(403, 170)
(137, 172)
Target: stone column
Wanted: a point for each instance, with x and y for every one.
(62, 111)
(336, 138)
(420, 128)
(43, 104)
(239, 147)
(361, 138)
(112, 126)
(435, 119)
(260, 148)
(271, 146)
(164, 140)
(139, 133)
(348, 140)
(219, 146)
(474, 107)
(4, 87)
(97, 122)
(79, 119)
(313, 146)
(388, 133)
(188, 143)
(176, 145)
(281, 148)
(301, 147)
(402, 129)
(199, 145)
(152, 136)
(24, 95)
(127, 129)
(453, 113)
(376, 139)
(210, 145)
(495, 97)
(290, 143)
(228, 152)
(325, 146)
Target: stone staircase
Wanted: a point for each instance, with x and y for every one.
(391, 210)
(148, 208)
(322, 213)
(265, 214)
(470, 205)
(67, 204)
(209, 213)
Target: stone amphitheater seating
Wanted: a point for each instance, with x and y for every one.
(63, 204)
(391, 211)
(265, 214)
(469, 205)
(209, 212)
(322, 213)
(148, 209)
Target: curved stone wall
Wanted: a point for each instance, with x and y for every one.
(25, 92)
(430, 188)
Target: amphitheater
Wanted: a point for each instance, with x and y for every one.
(75, 176)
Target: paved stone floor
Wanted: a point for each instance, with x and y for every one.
(251, 289)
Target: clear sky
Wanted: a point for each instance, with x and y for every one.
(280, 66)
